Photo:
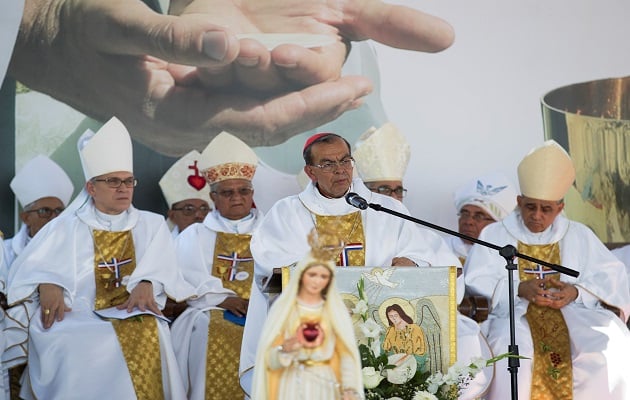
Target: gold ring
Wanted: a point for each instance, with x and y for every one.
(47, 311)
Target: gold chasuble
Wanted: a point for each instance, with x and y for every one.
(552, 375)
(350, 229)
(234, 265)
(114, 259)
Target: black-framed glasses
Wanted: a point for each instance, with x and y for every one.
(190, 210)
(229, 193)
(330, 166)
(388, 190)
(115, 183)
(46, 212)
(477, 217)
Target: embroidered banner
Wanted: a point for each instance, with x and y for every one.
(412, 311)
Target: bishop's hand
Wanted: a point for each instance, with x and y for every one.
(141, 297)
(52, 304)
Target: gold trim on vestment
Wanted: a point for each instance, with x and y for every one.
(234, 265)
(349, 227)
(552, 370)
(140, 344)
(233, 262)
(114, 259)
(222, 358)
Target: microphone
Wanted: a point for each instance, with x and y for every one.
(356, 201)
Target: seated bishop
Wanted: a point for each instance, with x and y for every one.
(215, 255)
(100, 255)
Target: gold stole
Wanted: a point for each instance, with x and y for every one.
(350, 228)
(460, 270)
(552, 375)
(234, 265)
(114, 258)
(462, 260)
(233, 262)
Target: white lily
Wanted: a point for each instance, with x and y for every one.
(370, 328)
(361, 307)
(371, 378)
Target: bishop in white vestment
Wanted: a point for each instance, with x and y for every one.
(215, 256)
(372, 238)
(576, 348)
(101, 253)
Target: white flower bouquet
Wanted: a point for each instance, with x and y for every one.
(397, 376)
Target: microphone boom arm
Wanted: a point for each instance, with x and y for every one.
(507, 251)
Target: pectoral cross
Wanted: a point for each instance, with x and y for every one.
(114, 266)
(234, 260)
(539, 271)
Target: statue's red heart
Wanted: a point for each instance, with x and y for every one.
(310, 332)
(196, 181)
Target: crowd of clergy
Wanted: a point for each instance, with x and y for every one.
(100, 297)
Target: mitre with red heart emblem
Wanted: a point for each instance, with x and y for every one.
(183, 181)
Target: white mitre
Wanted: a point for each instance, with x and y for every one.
(184, 181)
(227, 157)
(546, 172)
(41, 177)
(493, 192)
(381, 154)
(108, 150)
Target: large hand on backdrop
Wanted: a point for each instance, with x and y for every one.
(178, 80)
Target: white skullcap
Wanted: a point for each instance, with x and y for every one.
(184, 181)
(41, 177)
(546, 172)
(381, 154)
(108, 150)
(494, 193)
(227, 157)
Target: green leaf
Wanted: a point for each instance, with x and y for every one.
(502, 356)
(553, 372)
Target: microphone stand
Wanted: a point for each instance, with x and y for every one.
(508, 252)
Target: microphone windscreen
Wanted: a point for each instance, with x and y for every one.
(356, 201)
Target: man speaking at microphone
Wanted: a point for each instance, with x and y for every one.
(371, 238)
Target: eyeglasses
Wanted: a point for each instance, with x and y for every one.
(47, 212)
(228, 194)
(477, 217)
(115, 183)
(189, 210)
(387, 191)
(330, 166)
